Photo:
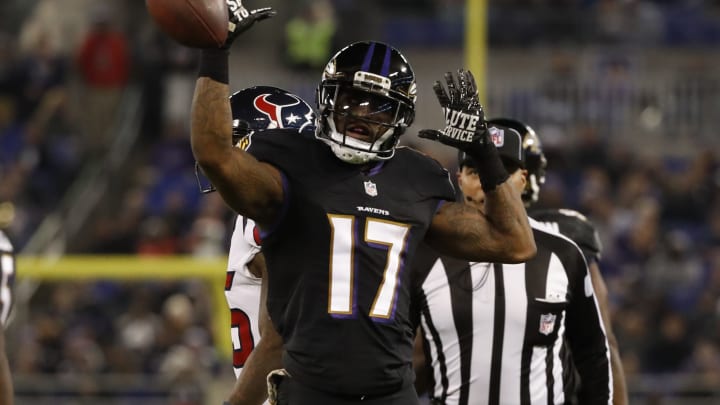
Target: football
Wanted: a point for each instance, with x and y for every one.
(193, 23)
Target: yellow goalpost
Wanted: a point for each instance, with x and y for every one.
(476, 43)
(137, 268)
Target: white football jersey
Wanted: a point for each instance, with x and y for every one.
(242, 291)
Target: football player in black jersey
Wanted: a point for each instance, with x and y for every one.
(516, 342)
(342, 212)
(7, 278)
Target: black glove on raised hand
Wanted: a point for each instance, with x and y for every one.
(241, 19)
(214, 61)
(465, 127)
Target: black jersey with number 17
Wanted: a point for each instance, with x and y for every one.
(338, 261)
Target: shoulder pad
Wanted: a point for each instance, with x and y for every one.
(575, 226)
(427, 175)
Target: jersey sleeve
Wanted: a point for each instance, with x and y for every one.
(7, 277)
(575, 226)
(244, 244)
(587, 339)
(434, 180)
(286, 150)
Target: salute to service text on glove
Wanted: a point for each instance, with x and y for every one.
(465, 127)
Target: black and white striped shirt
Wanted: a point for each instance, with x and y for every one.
(7, 277)
(527, 333)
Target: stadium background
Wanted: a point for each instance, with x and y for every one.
(95, 160)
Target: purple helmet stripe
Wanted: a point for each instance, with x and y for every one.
(368, 58)
(386, 62)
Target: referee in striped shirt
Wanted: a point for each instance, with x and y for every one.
(528, 333)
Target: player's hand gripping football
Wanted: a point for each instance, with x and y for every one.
(241, 19)
(465, 126)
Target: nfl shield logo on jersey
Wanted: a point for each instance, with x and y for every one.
(370, 188)
(547, 324)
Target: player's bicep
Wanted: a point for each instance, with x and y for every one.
(448, 229)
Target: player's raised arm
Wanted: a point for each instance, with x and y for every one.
(502, 233)
(251, 188)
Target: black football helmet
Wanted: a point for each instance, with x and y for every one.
(259, 108)
(535, 162)
(377, 78)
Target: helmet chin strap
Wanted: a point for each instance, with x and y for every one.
(349, 155)
(352, 150)
(532, 191)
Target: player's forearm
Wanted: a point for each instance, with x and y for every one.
(249, 187)
(251, 387)
(210, 123)
(620, 394)
(508, 219)
(463, 231)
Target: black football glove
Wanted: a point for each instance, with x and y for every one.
(241, 19)
(464, 116)
(465, 127)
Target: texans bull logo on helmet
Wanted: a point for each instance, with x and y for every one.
(278, 109)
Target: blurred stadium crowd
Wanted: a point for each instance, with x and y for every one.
(66, 67)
